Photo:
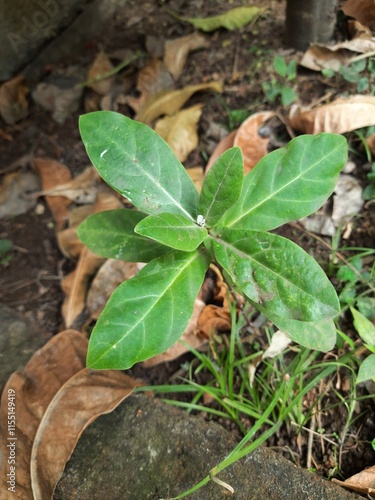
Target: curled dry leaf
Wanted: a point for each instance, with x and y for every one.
(214, 319)
(363, 482)
(224, 144)
(96, 75)
(152, 79)
(75, 284)
(13, 102)
(340, 116)
(83, 398)
(169, 102)
(34, 388)
(362, 10)
(15, 191)
(69, 243)
(82, 189)
(53, 174)
(111, 274)
(177, 50)
(371, 143)
(319, 57)
(180, 130)
(254, 146)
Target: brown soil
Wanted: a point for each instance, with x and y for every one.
(242, 60)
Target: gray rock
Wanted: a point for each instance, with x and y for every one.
(59, 26)
(20, 337)
(146, 449)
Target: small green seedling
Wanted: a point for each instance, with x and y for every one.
(6, 254)
(369, 191)
(366, 331)
(179, 232)
(360, 72)
(279, 87)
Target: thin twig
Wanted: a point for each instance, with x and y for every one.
(315, 433)
(111, 72)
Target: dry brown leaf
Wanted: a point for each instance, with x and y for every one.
(111, 274)
(169, 102)
(13, 102)
(214, 319)
(189, 337)
(75, 285)
(99, 68)
(371, 143)
(340, 116)
(363, 482)
(34, 388)
(82, 189)
(180, 130)
(69, 243)
(196, 174)
(362, 10)
(319, 57)
(16, 191)
(84, 397)
(53, 174)
(177, 50)
(153, 78)
(223, 145)
(253, 146)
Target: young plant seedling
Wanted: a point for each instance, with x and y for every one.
(280, 86)
(179, 232)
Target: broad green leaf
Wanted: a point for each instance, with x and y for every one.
(221, 186)
(364, 327)
(172, 230)
(148, 313)
(231, 20)
(139, 164)
(367, 369)
(111, 234)
(320, 335)
(280, 66)
(289, 183)
(276, 273)
(287, 96)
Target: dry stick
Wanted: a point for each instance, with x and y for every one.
(315, 433)
(111, 72)
(310, 441)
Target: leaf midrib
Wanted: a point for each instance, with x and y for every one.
(250, 257)
(274, 193)
(158, 298)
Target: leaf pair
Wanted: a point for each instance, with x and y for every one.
(180, 232)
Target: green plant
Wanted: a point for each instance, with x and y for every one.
(280, 86)
(286, 391)
(178, 232)
(360, 72)
(369, 191)
(6, 255)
